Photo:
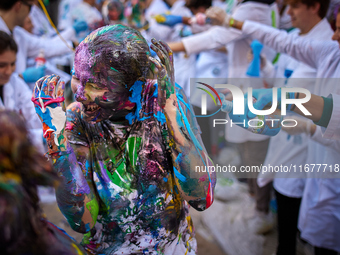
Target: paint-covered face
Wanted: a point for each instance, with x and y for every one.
(107, 63)
(99, 103)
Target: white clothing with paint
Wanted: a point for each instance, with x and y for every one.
(64, 14)
(41, 25)
(283, 149)
(238, 46)
(319, 220)
(29, 45)
(17, 97)
(85, 12)
(157, 31)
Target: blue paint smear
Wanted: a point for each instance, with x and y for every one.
(165, 179)
(187, 124)
(155, 93)
(179, 157)
(179, 175)
(160, 117)
(136, 98)
(46, 117)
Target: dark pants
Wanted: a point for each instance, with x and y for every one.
(324, 251)
(287, 220)
(253, 154)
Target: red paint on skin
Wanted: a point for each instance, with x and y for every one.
(203, 178)
(50, 100)
(69, 126)
(209, 199)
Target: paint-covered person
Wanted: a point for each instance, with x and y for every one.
(128, 149)
(23, 229)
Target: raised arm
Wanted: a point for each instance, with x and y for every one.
(190, 159)
(312, 53)
(75, 194)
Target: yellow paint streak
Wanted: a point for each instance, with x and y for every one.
(77, 249)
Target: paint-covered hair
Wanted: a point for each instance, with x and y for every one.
(113, 53)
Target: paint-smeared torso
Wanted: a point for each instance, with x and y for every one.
(141, 210)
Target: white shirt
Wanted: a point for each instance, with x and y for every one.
(64, 16)
(41, 25)
(17, 97)
(319, 220)
(29, 45)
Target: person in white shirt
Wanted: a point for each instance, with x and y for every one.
(320, 207)
(12, 16)
(309, 23)
(87, 12)
(14, 92)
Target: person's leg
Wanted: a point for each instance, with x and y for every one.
(255, 154)
(262, 196)
(287, 219)
(324, 251)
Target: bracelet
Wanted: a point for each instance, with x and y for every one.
(231, 22)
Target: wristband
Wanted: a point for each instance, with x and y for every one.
(231, 22)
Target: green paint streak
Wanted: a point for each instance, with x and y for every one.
(114, 69)
(133, 146)
(93, 208)
(86, 238)
(119, 175)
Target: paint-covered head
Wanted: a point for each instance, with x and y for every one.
(107, 63)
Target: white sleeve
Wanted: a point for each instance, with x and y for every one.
(317, 137)
(214, 38)
(305, 50)
(218, 36)
(52, 46)
(333, 129)
(33, 122)
(24, 96)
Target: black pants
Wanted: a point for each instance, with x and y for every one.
(287, 219)
(324, 251)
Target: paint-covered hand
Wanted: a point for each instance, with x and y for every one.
(166, 76)
(168, 20)
(227, 106)
(48, 98)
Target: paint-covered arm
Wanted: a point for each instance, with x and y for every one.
(75, 195)
(191, 162)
